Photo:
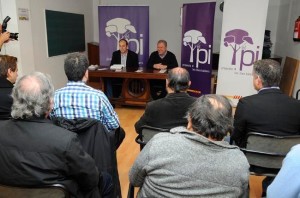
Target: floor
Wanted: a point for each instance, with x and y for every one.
(128, 151)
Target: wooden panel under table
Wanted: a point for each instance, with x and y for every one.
(135, 88)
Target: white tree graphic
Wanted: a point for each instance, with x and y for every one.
(193, 39)
(119, 28)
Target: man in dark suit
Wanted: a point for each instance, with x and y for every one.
(125, 57)
(170, 111)
(270, 111)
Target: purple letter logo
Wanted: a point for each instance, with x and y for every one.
(238, 39)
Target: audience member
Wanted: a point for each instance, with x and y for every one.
(9, 74)
(194, 161)
(125, 57)
(36, 152)
(77, 100)
(4, 37)
(160, 59)
(287, 182)
(269, 111)
(170, 111)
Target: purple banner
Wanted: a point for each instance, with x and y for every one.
(129, 22)
(197, 42)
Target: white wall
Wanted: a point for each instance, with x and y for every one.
(32, 46)
(31, 50)
(289, 11)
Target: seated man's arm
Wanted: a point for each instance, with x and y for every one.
(135, 60)
(138, 172)
(144, 120)
(114, 59)
(287, 182)
(109, 117)
(239, 131)
(150, 62)
(173, 62)
(81, 166)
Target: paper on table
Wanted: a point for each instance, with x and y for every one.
(162, 71)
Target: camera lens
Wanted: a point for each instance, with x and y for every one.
(14, 36)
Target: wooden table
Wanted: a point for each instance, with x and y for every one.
(135, 88)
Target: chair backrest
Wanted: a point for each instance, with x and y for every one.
(268, 151)
(44, 191)
(147, 133)
(289, 75)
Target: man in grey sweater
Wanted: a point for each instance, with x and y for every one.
(194, 161)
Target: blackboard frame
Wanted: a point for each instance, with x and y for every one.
(65, 32)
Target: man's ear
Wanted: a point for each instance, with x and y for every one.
(86, 76)
(190, 83)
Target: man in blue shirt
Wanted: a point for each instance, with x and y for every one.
(287, 182)
(77, 100)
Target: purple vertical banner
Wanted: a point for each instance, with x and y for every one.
(197, 42)
(128, 22)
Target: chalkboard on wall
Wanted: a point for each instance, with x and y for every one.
(65, 32)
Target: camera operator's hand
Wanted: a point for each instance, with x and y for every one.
(4, 37)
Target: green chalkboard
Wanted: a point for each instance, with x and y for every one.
(65, 32)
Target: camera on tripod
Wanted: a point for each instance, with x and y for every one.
(4, 26)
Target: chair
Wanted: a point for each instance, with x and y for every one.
(289, 75)
(147, 133)
(265, 152)
(44, 191)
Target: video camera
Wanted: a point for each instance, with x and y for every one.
(4, 26)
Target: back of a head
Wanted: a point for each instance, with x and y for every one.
(75, 66)
(211, 116)
(269, 72)
(178, 79)
(7, 62)
(32, 96)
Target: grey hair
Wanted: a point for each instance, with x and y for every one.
(211, 116)
(178, 79)
(32, 96)
(75, 66)
(163, 41)
(269, 72)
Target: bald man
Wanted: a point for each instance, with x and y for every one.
(170, 111)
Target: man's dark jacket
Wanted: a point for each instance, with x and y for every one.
(97, 142)
(132, 60)
(270, 111)
(166, 112)
(5, 98)
(35, 152)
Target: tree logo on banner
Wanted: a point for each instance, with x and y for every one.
(119, 28)
(238, 40)
(194, 39)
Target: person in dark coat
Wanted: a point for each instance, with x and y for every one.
(269, 111)
(125, 57)
(170, 111)
(8, 76)
(35, 152)
(160, 59)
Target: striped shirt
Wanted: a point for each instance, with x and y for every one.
(77, 100)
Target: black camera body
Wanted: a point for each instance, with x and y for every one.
(4, 26)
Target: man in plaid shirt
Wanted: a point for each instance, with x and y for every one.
(77, 100)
